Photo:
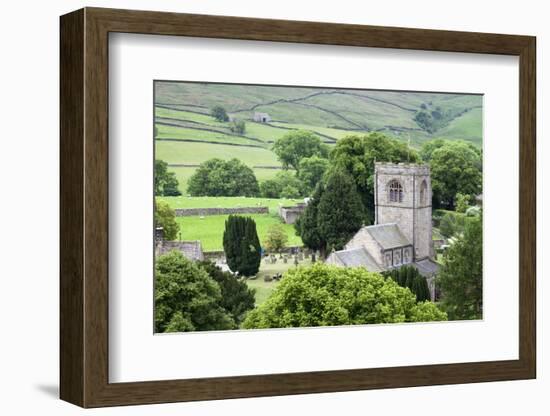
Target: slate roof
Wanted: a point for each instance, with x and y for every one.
(388, 235)
(426, 267)
(357, 257)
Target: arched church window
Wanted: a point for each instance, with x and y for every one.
(396, 191)
(423, 192)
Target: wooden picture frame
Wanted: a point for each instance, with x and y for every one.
(84, 207)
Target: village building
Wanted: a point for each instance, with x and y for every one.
(402, 232)
(190, 249)
(261, 117)
(290, 214)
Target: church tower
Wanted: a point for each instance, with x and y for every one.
(403, 195)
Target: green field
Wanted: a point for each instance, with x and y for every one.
(209, 229)
(466, 126)
(196, 153)
(331, 113)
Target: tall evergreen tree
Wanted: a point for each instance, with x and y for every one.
(242, 245)
(307, 226)
(251, 254)
(340, 212)
(232, 236)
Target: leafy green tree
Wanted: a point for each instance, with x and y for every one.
(186, 297)
(283, 185)
(217, 177)
(242, 245)
(276, 238)
(171, 185)
(297, 145)
(451, 223)
(165, 217)
(461, 276)
(219, 113)
(462, 202)
(237, 298)
(165, 182)
(356, 156)
(290, 192)
(429, 147)
(270, 188)
(323, 295)
(307, 224)
(238, 126)
(455, 168)
(311, 171)
(340, 211)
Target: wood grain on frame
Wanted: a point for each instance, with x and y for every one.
(84, 207)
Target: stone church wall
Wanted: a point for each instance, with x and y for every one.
(414, 213)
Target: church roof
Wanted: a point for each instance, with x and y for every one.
(387, 235)
(357, 257)
(427, 267)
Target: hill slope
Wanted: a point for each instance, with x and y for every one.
(186, 134)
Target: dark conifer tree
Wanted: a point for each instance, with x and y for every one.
(251, 255)
(340, 212)
(242, 245)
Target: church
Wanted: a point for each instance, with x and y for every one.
(402, 230)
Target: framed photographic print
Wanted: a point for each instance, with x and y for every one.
(256, 207)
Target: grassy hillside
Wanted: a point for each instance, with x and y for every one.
(187, 135)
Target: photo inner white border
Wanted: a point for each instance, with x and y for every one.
(135, 354)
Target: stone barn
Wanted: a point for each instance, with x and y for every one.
(261, 117)
(291, 214)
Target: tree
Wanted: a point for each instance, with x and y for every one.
(276, 238)
(340, 211)
(451, 223)
(307, 225)
(237, 298)
(462, 202)
(219, 113)
(455, 168)
(171, 185)
(270, 188)
(217, 177)
(283, 185)
(238, 126)
(429, 147)
(165, 183)
(356, 156)
(323, 295)
(165, 217)
(242, 245)
(409, 277)
(311, 171)
(461, 276)
(297, 145)
(186, 297)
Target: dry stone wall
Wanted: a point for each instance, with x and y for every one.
(191, 212)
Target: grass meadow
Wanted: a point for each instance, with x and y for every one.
(209, 229)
